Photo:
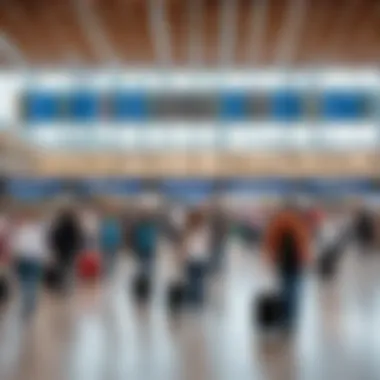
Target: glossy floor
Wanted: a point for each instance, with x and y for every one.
(98, 332)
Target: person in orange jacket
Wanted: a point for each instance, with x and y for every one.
(287, 244)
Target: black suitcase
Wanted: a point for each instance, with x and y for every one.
(53, 278)
(4, 290)
(176, 296)
(328, 262)
(141, 287)
(269, 310)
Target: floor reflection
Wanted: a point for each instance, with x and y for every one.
(99, 333)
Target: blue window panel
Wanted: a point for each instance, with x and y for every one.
(286, 105)
(190, 191)
(343, 106)
(113, 186)
(233, 106)
(130, 106)
(75, 188)
(41, 107)
(30, 189)
(84, 106)
(259, 186)
(341, 186)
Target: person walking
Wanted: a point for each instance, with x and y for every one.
(90, 224)
(197, 245)
(29, 249)
(110, 238)
(219, 229)
(144, 237)
(287, 244)
(365, 230)
(66, 240)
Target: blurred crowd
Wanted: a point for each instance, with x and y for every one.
(74, 239)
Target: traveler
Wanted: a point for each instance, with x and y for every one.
(197, 239)
(110, 238)
(66, 240)
(287, 244)
(30, 252)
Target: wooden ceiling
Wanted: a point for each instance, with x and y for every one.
(192, 32)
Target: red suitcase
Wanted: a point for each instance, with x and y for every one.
(89, 266)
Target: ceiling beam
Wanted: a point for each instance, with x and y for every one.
(195, 21)
(11, 51)
(290, 32)
(259, 13)
(95, 35)
(227, 32)
(341, 26)
(160, 34)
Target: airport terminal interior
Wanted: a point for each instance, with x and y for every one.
(189, 189)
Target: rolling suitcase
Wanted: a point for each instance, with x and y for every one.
(327, 266)
(53, 278)
(269, 310)
(141, 287)
(176, 296)
(4, 289)
(89, 266)
(328, 262)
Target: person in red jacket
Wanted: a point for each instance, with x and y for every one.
(287, 245)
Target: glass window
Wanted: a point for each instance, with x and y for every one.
(41, 107)
(286, 106)
(191, 191)
(258, 106)
(32, 188)
(129, 106)
(189, 106)
(233, 106)
(341, 105)
(114, 186)
(84, 106)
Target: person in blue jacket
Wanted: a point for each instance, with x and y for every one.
(144, 239)
(110, 239)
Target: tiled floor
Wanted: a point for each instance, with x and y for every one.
(98, 332)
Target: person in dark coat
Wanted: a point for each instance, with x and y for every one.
(365, 230)
(287, 244)
(66, 240)
(144, 240)
(219, 229)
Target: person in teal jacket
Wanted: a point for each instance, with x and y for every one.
(145, 232)
(110, 240)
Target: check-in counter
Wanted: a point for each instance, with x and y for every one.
(206, 164)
